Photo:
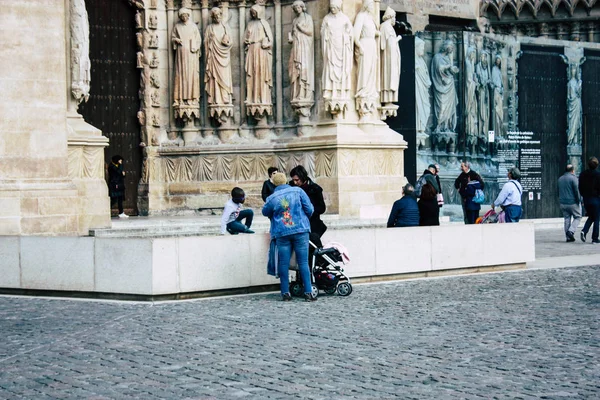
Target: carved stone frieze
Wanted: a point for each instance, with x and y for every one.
(86, 162)
(153, 20)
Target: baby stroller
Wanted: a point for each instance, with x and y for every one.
(491, 217)
(327, 273)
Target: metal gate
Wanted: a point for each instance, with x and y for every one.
(113, 103)
(590, 97)
(543, 109)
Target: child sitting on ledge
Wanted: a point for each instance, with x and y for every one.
(233, 215)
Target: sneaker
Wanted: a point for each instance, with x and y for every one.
(570, 235)
(310, 297)
(248, 231)
(570, 239)
(595, 241)
(582, 236)
(123, 215)
(286, 297)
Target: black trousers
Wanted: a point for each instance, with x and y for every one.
(119, 201)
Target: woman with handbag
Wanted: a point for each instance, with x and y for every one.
(472, 204)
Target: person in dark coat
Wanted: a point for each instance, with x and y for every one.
(429, 211)
(405, 212)
(315, 194)
(589, 187)
(463, 180)
(116, 184)
(472, 207)
(268, 186)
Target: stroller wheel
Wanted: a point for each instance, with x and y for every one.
(296, 289)
(330, 290)
(344, 289)
(315, 290)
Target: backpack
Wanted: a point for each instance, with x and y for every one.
(422, 181)
(479, 197)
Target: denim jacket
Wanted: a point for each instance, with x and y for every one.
(289, 209)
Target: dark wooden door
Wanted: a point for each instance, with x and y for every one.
(113, 103)
(542, 92)
(590, 97)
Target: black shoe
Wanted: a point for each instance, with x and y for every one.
(286, 297)
(582, 236)
(570, 235)
(570, 239)
(595, 241)
(248, 231)
(310, 297)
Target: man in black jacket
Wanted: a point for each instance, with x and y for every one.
(268, 185)
(589, 187)
(315, 194)
(463, 180)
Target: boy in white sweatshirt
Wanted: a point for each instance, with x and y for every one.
(233, 215)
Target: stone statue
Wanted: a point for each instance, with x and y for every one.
(574, 109)
(153, 21)
(337, 46)
(367, 60)
(80, 52)
(471, 100)
(154, 61)
(153, 41)
(498, 97)
(422, 84)
(154, 80)
(140, 60)
(258, 42)
(301, 66)
(218, 79)
(482, 75)
(155, 98)
(138, 20)
(390, 64)
(444, 91)
(187, 45)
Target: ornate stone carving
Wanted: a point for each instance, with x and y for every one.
(498, 96)
(471, 119)
(139, 24)
(186, 88)
(80, 51)
(574, 107)
(301, 63)
(258, 43)
(482, 74)
(153, 41)
(155, 120)
(422, 85)
(446, 99)
(367, 60)
(153, 20)
(154, 79)
(85, 162)
(154, 62)
(218, 78)
(337, 46)
(390, 64)
(155, 99)
(140, 59)
(139, 40)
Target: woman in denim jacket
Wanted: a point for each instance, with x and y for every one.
(289, 210)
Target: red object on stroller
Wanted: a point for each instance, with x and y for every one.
(491, 217)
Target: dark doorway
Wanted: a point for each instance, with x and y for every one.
(543, 110)
(113, 103)
(590, 73)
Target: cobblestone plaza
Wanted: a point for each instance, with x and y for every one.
(526, 334)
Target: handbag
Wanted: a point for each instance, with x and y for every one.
(440, 199)
(479, 197)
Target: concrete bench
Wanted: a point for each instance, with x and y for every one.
(170, 266)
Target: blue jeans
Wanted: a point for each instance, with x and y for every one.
(592, 209)
(237, 226)
(285, 245)
(512, 213)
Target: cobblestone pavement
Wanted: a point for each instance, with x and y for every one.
(513, 335)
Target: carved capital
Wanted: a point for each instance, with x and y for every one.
(388, 110)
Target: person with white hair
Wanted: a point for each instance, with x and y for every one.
(509, 197)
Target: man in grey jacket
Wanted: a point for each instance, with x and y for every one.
(570, 202)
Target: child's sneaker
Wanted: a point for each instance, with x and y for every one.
(123, 215)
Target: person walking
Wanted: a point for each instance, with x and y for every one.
(268, 185)
(116, 184)
(405, 212)
(589, 188)
(429, 211)
(509, 197)
(461, 184)
(570, 201)
(289, 210)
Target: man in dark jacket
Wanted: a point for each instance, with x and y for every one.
(315, 194)
(405, 212)
(462, 181)
(427, 177)
(589, 187)
(268, 185)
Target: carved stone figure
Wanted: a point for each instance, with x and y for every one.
(445, 97)
(498, 97)
(471, 100)
(155, 98)
(138, 20)
(140, 60)
(139, 39)
(218, 80)
(153, 21)
(187, 45)
(422, 84)
(154, 62)
(482, 74)
(80, 52)
(390, 64)
(301, 66)
(153, 41)
(367, 59)
(574, 108)
(337, 46)
(154, 80)
(258, 42)
(155, 120)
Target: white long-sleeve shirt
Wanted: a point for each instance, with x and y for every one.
(510, 194)
(230, 213)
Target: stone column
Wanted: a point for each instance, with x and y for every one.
(573, 57)
(242, 27)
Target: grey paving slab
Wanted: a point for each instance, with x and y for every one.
(528, 334)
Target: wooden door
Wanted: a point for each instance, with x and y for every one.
(113, 103)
